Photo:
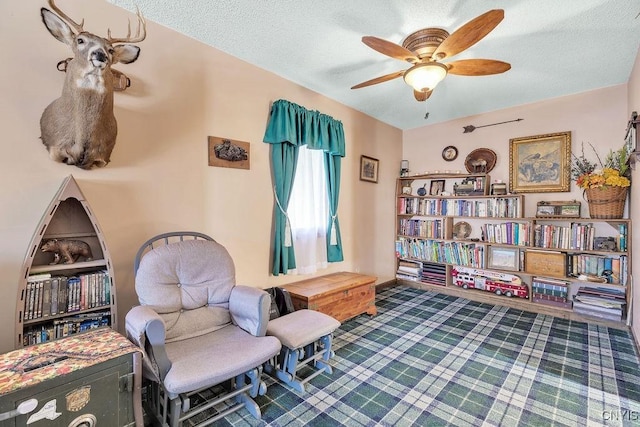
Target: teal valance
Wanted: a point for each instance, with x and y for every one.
(294, 124)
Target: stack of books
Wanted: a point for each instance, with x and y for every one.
(551, 292)
(433, 273)
(600, 302)
(409, 270)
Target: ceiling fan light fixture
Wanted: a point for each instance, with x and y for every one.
(425, 77)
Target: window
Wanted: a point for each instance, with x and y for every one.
(309, 211)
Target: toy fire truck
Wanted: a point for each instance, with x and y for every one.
(491, 281)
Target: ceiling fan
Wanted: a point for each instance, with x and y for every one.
(427, 47)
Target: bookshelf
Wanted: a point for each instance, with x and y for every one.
(558, 262)
(56, 297)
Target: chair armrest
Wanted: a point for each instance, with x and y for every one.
(146, 329)
(249, 309)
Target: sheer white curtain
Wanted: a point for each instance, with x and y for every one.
(309, 211)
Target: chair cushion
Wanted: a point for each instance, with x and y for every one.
(301, 327)
(188, 283)
(215, 357)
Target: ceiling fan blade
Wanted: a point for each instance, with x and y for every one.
(421, 96)
(390, 49)
(380, 79)
(477, 67)
(469, 34)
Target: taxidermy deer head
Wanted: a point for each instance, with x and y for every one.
(79, 128)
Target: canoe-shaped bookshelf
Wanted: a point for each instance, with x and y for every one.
(59, 296)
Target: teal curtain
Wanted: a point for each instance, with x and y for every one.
(284, 158)
(290, 126)
(334, 242)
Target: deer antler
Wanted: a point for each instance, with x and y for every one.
(138, 37)
(74, 24)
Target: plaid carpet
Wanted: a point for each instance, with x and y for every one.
(429, 359)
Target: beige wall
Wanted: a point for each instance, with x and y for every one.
(599, 117)
(634, 105)
(159, 180)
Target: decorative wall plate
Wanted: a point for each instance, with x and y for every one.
(482, 160)
(450, 153)
(461, 230)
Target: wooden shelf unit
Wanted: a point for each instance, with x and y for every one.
(436, 229)
(68, 216)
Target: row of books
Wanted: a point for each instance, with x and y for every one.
(462, 253)
(600, 302)
(550, 292)
(623, 237)
(495, 208)
(47, 295)
(421, 228)
(418, 271)
(575, 236)
(66, 326)
(613, 269)
(508, 233)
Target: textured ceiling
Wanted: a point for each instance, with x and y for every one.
(554, 47)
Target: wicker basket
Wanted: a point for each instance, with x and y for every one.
(606, 202)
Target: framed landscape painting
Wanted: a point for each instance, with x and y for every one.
(504, 258)
(540, 163)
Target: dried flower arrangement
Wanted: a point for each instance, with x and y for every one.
(613, 172)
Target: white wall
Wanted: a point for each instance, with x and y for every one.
(182, 91)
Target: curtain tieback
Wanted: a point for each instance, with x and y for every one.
(287, 223)
(333, 239)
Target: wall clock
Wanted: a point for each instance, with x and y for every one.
(450, 153)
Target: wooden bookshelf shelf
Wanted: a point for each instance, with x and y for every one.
(428, 236)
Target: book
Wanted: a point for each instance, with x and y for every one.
(546, 300)
(62, 295)
(55, 282)
(596, 311)
(38, 300)
(46, 298)
(28, 301)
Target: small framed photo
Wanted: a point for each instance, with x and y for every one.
(368, 169)
(437, 187)
(545, 210)
(501, 258)
(499, 188)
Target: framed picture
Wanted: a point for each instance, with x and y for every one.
(568, 209)
(630, 137)
(229, 153)
(504, 258)
(499, 188)
(368, 169)
(437, 187)
(540, 163)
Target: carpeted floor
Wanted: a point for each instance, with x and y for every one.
(429, 359)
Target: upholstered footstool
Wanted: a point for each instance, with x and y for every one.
(306, 337)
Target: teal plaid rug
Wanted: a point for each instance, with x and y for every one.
(429, 359)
